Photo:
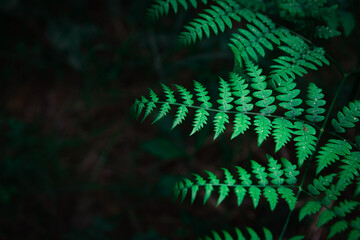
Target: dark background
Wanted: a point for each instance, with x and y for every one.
(75, 164)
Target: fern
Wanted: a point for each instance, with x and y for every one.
(266, 93)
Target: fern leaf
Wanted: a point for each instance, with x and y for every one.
(219, 122)
(164, 110)
(262, 93)
(240, 193)
(255, 194)
(200, 120)
(354, 234)
(223, 193)
(244, 176)
(225, 96)
(289, 196)
(337, 228)
(290, 171)
(320, 184)
(208, 190)
(263, 128)
(241, 92)
(150, 104)
(305, 142)
(349, 169)
(275, 171)
(252, 233)
(180, 115)
(347, 117)
(326, 32)
(202, 95)
(288, 99)
(260, 173)
(331, 152)
(216, 17)
(331, 195)
(272, 197)
(345, 207)
(315, 103)
(282, 132)
(186, 95)
(311, 207)
(241, 124)
(324, 217)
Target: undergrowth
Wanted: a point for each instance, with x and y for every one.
(273, 51)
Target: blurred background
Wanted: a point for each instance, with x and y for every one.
(75, 164)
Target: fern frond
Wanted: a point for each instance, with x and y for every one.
(347, 117)
(251, 235)
(326, 32)
(301, 56)
(305, 142)
(321, 184)
(215, 18)
(349, 169)
(241, 124)
(331, 152)
(315, 103)
(311, 207)
(162, 7)
(243, 184)
(248, 43)
(337, 228)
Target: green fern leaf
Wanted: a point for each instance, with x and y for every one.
(305, 142)
(241, 124)
(180, 115)
(240, 193)
(345, 208)
(263, 128)
(208, 190)
(219, 121)
(260, 84)
(169, 94)
(272, 197)
(290, 171)
(223, 193)
(200, 120)
(255, 194)
(268, 234)
(311, 207)
(164, 110)
(186, 95)
(282, 132)
(288, 99)
(315, 103)
(337, 228)
(253, 234)
(321, 184)
(326, 32)
(202, 94)
(349, 169)
(331, 152)
(225, 96)
(289, 196)
(347, 117)
(324, 217)
(244, 176)
(275, 171)
(331, 195)
(195, 188)
(260, 173)
(241, 92)
(354, 235)
(150, 104)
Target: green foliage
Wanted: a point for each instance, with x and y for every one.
(266, 93)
